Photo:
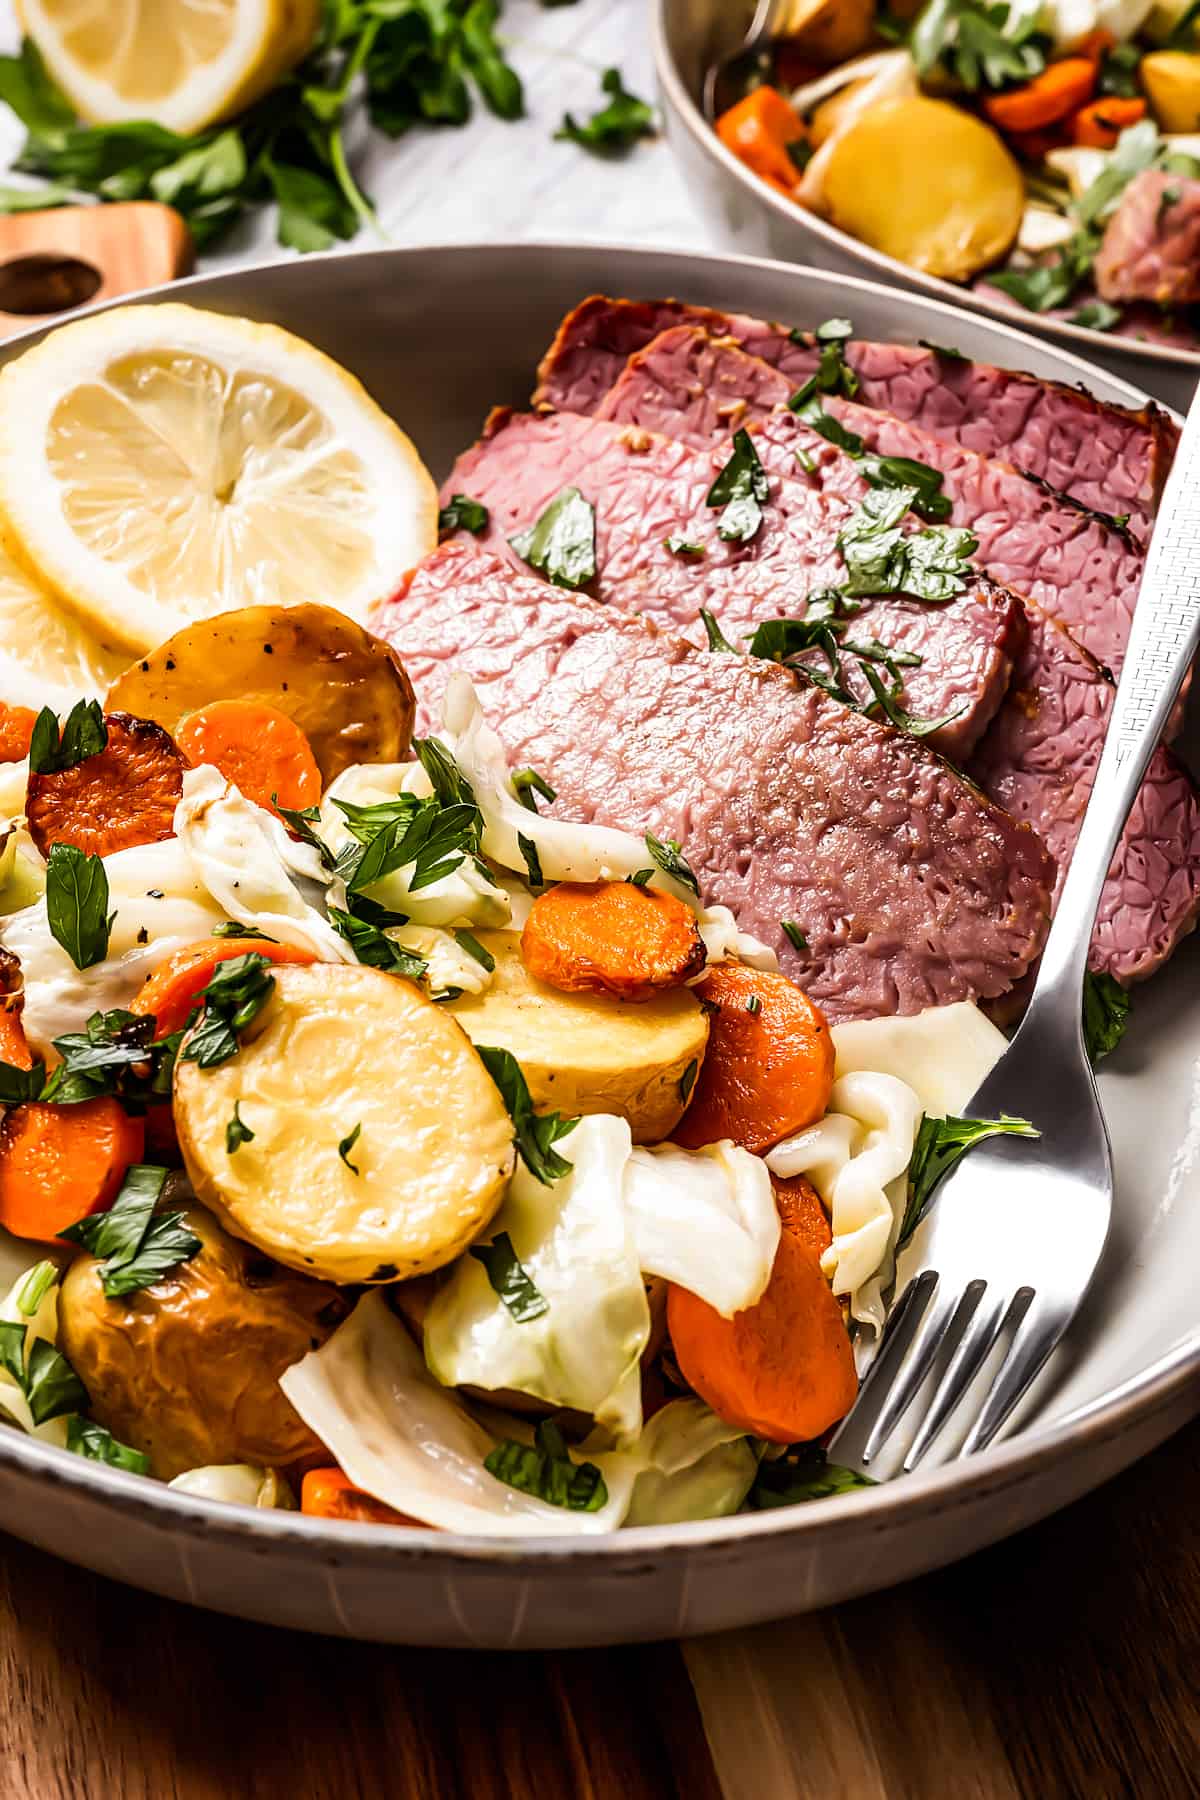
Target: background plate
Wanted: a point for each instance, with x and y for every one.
(440, 335)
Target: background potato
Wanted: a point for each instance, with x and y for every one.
(339, 1046)
(927, 183)
(588, 1053)
(345, 689)
(828, 31)
(187, 1371)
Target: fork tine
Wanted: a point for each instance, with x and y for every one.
(1039, 1330)
(926, 1341)
(980, 1329)
(902, 1321)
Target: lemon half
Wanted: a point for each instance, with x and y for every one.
(159, 464)
(182, 63)
(48, 657)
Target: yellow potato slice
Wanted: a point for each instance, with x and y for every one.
(346, 689)
(927, 183)
(588, 1053)
(338, 1047)
(1171, 79)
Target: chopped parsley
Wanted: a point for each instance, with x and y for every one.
(906, 472)
(886, 700)
(687, 1081)
(947, 352)
(86, 1438)
(526, 783)
(616, 126)
(535, 1134)
(533, 862)
(804, 1473)
(229, 928)
(561, 544)
(545, 1470)
(716, 637)
(236, 994)
(754, 1004)
(346, 1145)
(671, 861)
(510, 1280)
(473, 947)
(681, 546)
(1097, 315)
(237, 1132)
(134, 1245)
(793, 934)
(1105, 1014)
(77, 904)
(374, 948)
(84, 734)
(980, 43)
(45, 1377)
(740, 488)
(464, 514)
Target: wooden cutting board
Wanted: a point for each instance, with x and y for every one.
(53, 261)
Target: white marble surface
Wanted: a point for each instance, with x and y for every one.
(498, 181)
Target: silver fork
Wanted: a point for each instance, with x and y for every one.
(724, 81)
(1013, 1236)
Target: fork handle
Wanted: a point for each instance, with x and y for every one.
(1162, 645)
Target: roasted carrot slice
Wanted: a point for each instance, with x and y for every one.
(782, 1369)
(328, 1494)
(801, 1212)
(263, 752)
(14, 1048)
(759, 130)
(611, 937)
(768, 1068)
(124, 795)
(172, 990)
(1060, 90)
(1101, 123)
(16, 730)
(59, 1163)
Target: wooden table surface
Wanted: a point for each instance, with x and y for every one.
(1061, 1663)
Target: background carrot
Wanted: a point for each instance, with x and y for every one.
(758, 130)
(16, 730)
(611, 937)
(768, 1068)
(1100, 124)
(328, 1494)
(784, 1368)
(59, 1163)
(124, 795)
(13, 1046)
(258, 748)
(802, 1214)
(172, 990)
(1061, 89)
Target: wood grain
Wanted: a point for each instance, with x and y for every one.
(133, 245)
(1061, 1664)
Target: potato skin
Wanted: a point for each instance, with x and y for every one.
(589, 1053)
(187, 1371)
(346, 689)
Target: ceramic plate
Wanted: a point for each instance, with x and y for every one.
(439, 336)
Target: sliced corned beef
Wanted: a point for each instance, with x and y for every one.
(1151, 248)
(1084, 572)
(1038, 759)
(648, 489)
(1109, 458)
(911, 888)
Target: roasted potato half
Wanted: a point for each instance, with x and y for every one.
(589, 1053)
(345, 689)
(381, 1145)
(187, 1371)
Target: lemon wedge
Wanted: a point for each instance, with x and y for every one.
(182, 63)
(47, 657)
(159, 464)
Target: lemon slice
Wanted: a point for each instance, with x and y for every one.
(183, 63)
(47, 657)
(159, 464)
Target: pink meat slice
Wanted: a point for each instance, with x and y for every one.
(1110, 458)
(647, 489)
(1151, 248)
(1081, 569)
(911, 888)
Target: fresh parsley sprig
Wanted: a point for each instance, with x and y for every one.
(940, 1143)
(561, 543)
(535, 1134)
(741, 489)
(77, 904)
(237, 993)
(135, 1245)
(83, 734)
(546, 1470)
(618, 124)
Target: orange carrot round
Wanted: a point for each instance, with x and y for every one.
(172, 990)
(16, 730)
(328, 1494)
(1060, 90)
(801, 1212)
(611, 937)
(124, 795)
(782, 1369)
(758, 130)
(1100, 124)
(263, 752)
(59, 1163)
(768, 1068)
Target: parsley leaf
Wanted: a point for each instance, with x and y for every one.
(86, 1438)
(346, 1145)
(510, 1280)
(84, 734)
(887, 701)
(545, 1470)
(533, 862)
(793, 934)
(463, 514)
(980, 43)
(741, 488)
(115, 1054)
(229, 928)
(77, 904)
(45, 1377)
(237, 993)
(670, 860)
(473, 947)
(687, 1081)
(617, 126)
(20, 1085)
(681, 546)
(374, 948)
(940, 1143)
(526, 783)
(1096, 315)
(561, 543)
(535, 1133)
(805, 404)
(804, 1473)
(717, 640)
(301, 821)
(237, 1132)
(906, 472)
(1105, 1014)
(947, 352)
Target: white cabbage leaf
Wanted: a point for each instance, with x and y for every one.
(248, 863)
(705, 1219)
(14, 780)
(237, 1484)
(41, 1323)
(413, 1444)
(448, 965)
(574, 1241)
(22, 871)
(943, 1053)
